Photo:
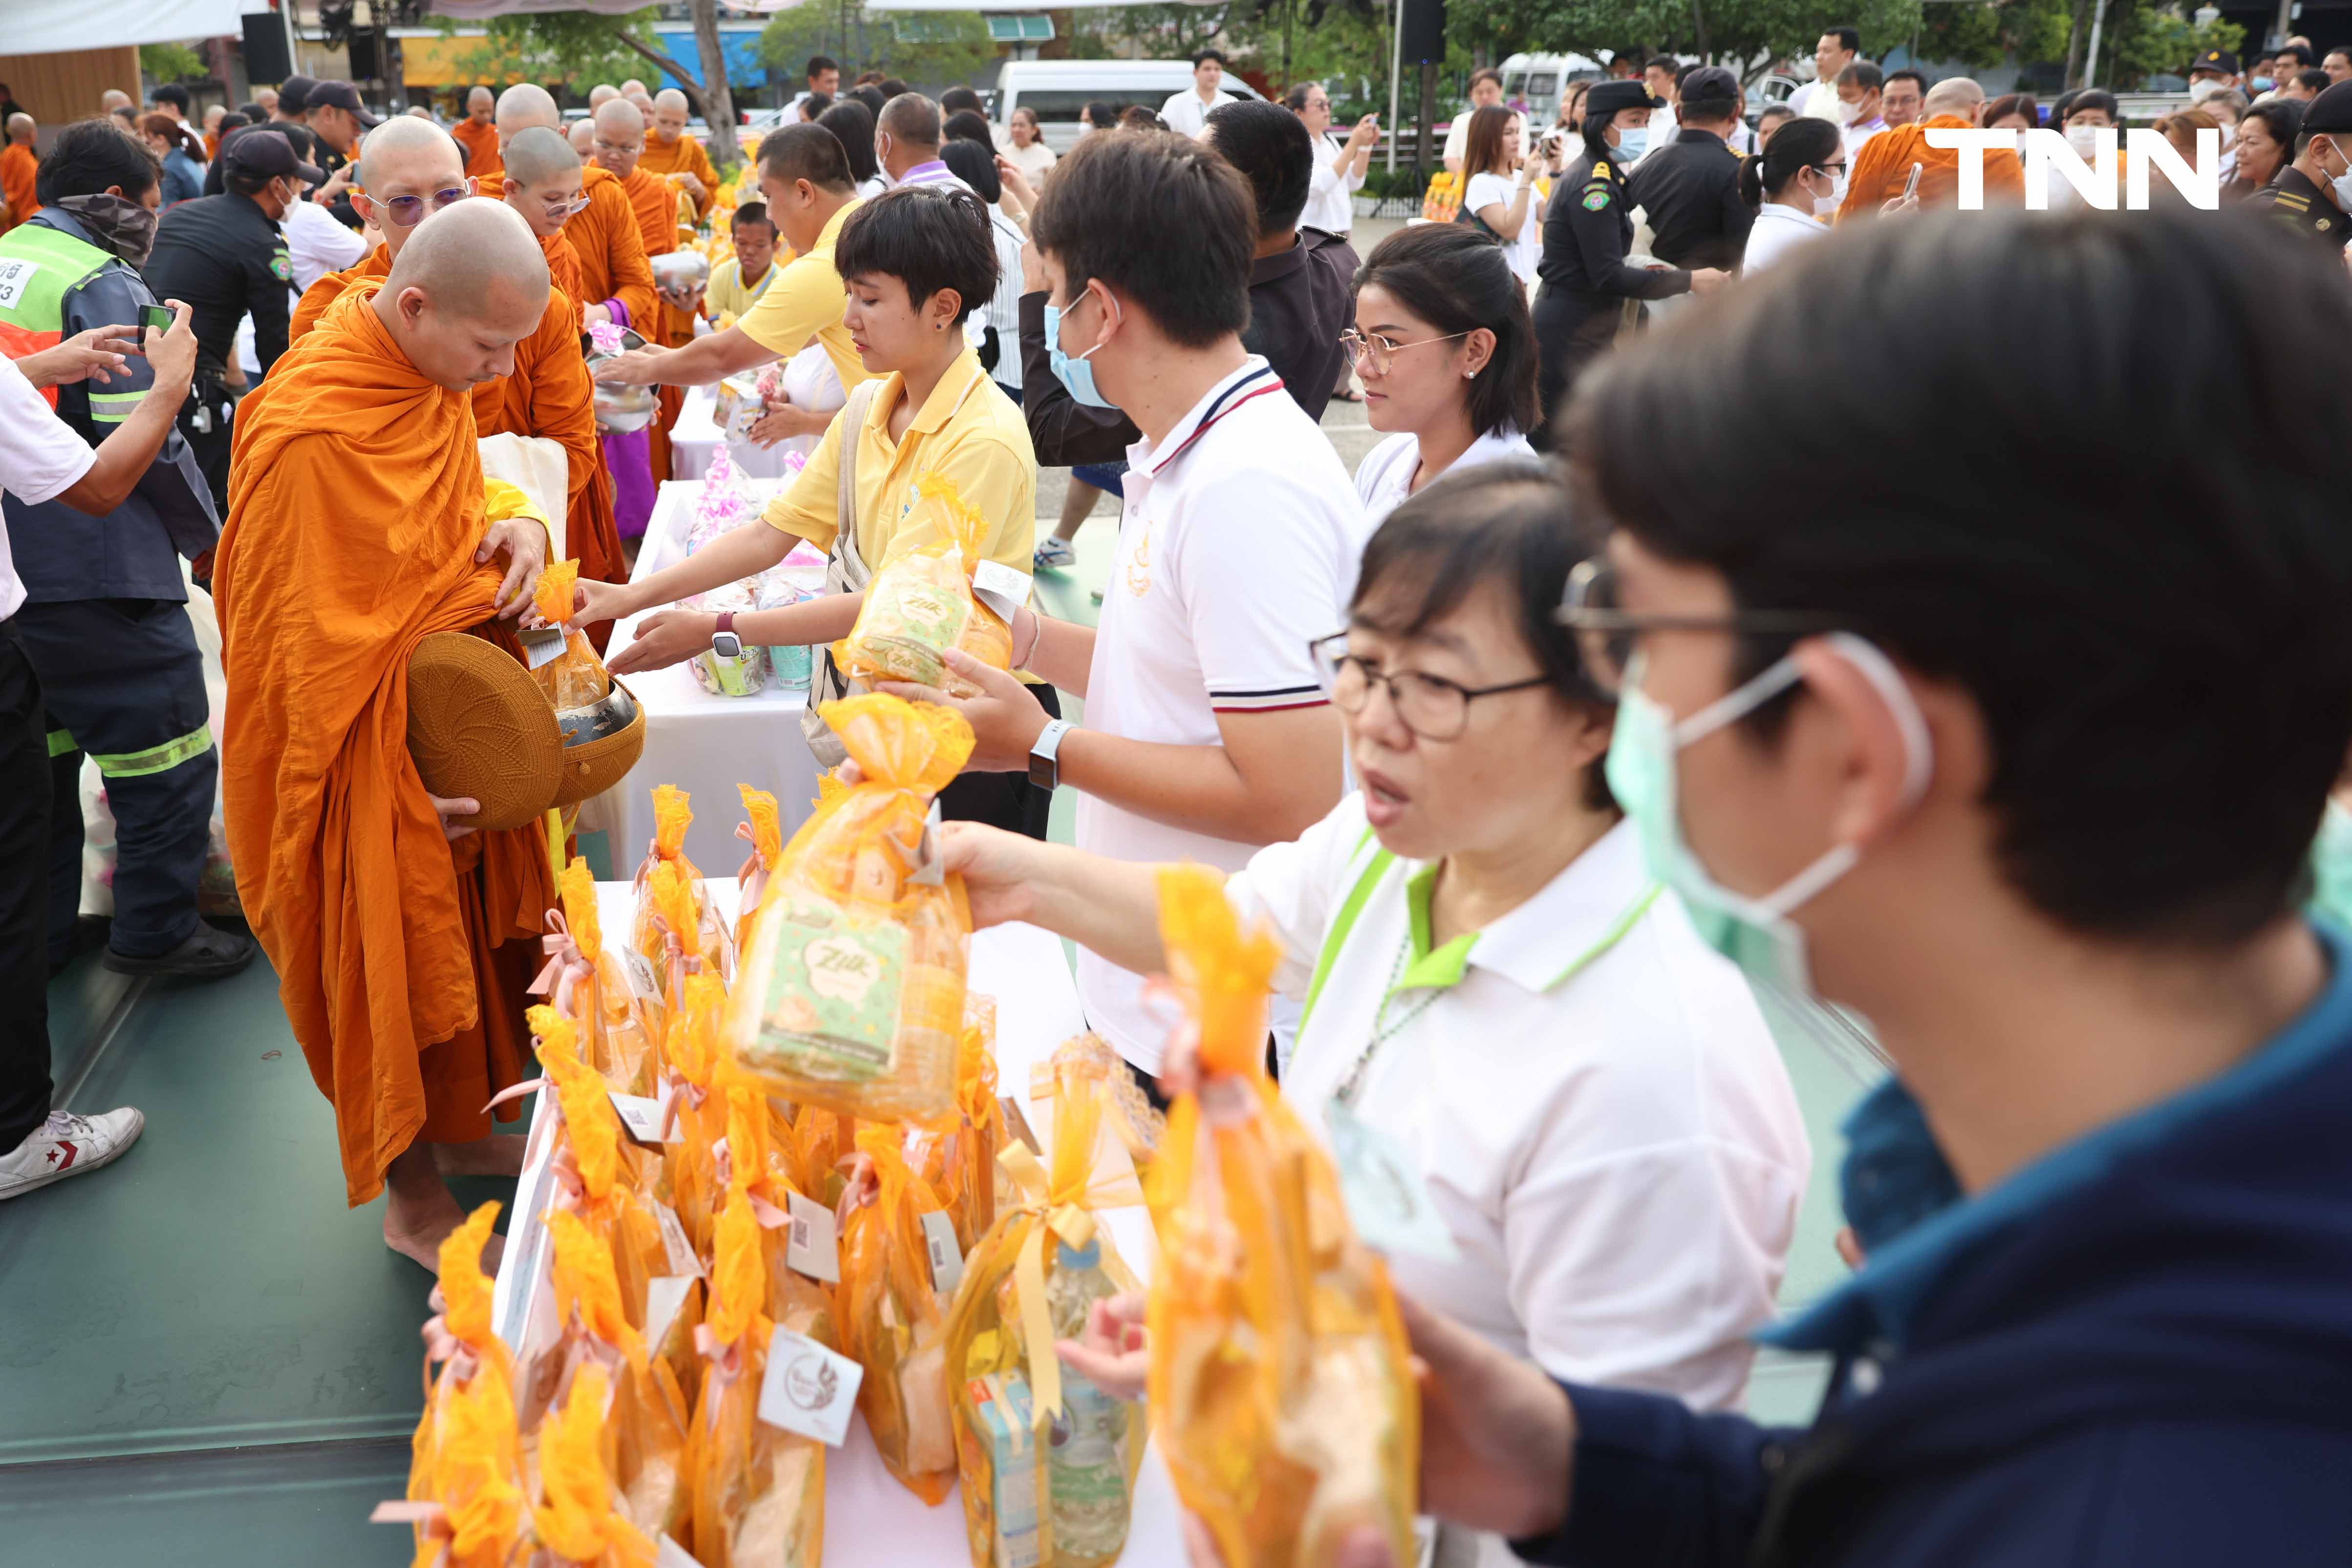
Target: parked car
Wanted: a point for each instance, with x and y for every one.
(1055, 90)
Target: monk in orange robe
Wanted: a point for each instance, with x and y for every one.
(403, 943)
(653, 201)
(1883, 167)
(676, 157)
(19, 167)
(479, 137)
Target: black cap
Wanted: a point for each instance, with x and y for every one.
(2220, 60)
(1608, 97)
(294, 94)
(1708, 85)
(340, 95)
(263, 150)
(2331, 111)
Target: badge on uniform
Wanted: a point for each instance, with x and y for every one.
(1595, 200)
(1383, 1189)
(281, 268)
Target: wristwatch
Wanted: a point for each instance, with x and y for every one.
(1044, 766)
(726, 622)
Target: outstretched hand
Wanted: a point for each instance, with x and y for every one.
(1006, 717)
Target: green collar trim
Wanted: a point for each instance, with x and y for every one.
(1441, 969)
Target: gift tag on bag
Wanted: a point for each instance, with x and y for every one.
(947, 1256)
(664, 1294)
(1383, 1190)
(675, 1244)
(642, 982)
(641, 1117)
(542, 645)
(808, 1389)
(814, 1245)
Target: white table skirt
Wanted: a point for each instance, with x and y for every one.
(706, 745)
(696, 436)
(870, 1521)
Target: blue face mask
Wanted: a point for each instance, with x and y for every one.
(1633, 140)
(2263, 84)
(1072, 370)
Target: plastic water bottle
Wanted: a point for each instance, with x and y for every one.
(1086, 1463)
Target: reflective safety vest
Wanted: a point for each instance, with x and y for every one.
(40, 265)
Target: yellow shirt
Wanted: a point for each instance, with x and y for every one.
(805, 303)
(968, 432)
(726, 300)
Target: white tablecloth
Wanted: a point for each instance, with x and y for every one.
(705, 745)
(695, 437)
(870, 1521)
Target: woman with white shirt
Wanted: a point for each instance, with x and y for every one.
(1794, 185)
(1500, 191)
(1025, 147)
(1492, 977)
(1448, 356)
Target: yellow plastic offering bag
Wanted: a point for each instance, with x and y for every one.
(851, 994)
(599, 997)
(923, 603)
(475, 1476)
(765, 829)
(466, 1483)
(674, 919)
(894, 1318)
(574, 678)
(604, 1179)
(575, 1518)
(958, 1157)
(1047, 1459)
(648, 1415)
(689, 1171)
(1090, 1057)
(1281, 1393)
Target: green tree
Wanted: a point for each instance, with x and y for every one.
(2139, 39)
(171, 62)
(1754, 31)
(919, 46)
(575, 47)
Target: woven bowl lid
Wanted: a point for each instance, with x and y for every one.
(479, 728)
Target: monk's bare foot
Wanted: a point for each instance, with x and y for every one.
(418, 1212)
(500, 1154)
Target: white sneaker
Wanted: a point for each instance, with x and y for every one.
(66, 1145)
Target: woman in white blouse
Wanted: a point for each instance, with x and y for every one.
(1492, 977)
(1448, 356)
(1501, 192)
(1794, 185)
(1025, 147)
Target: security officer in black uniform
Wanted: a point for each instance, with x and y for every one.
(225, 256)
(1587, 285)
(1690, 187)
(2312, 196)
(105, 621)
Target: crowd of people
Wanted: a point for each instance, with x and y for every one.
(1574, 787)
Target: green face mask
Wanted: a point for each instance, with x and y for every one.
(1754, 933)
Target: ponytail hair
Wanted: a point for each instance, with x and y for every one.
(1797, 146)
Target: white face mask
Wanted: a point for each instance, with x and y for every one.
(1847, 114)
(2342, 184)
(2084, 140)
(2199, 92)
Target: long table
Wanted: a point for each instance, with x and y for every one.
(870, 1521)
(695, 439)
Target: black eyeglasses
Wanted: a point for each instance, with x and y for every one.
(410, 211)
(1605, 634)
(1432, 706)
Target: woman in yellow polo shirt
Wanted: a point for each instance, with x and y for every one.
(916, 261)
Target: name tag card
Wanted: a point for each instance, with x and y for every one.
(1381, 1183)
(808, 1389)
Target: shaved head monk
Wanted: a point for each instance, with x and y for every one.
(20, 170)
(676, 157)
(1883, 167)
(603, 93)
(403, 943)
(604, 236)
(659, 209)
(582, 136)
(408, 170)
(479, 135)
(633, 88)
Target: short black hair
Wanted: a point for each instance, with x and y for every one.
(89, 155)
(974, 164)
(910, 118)
(811, 153)
(754, 213)
(2092, 97)
(1270, 145)
(957, 97)
(1907, 74)
(968, 125)
(1666, 63)
(1216, 55)
(866, 93)
(1848, 38)
(1160, 218)
(928, 237)
(1102, 114)
(1138, 116)
(814, 105)
(820, 64)
(2185, 685)
(1509, 526)
(2282, 118)
(2296, 52)
(173, 93)
(254, 113)
(890, 88)
(1863, 75)
(231, 120)
(2316, 80)
(2344, 49)
(851, 124)
(1458, 280)
(1485, 73)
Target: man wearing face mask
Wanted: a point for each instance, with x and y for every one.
(2313, 194)
(1690, 186)
(105, 621)
(1589, 293)
(2215, 70)
(226, 256)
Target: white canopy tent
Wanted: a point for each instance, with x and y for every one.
(58, 27)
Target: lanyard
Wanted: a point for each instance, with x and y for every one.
(1383, 1031)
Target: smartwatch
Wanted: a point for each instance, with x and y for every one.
(726, 622)
(1044, 766)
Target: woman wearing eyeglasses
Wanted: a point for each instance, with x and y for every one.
(1794, 185)
(1492, 981)
(1443, 345)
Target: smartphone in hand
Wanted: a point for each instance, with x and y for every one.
(152, 318)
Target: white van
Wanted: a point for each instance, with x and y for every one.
(1539, 80)
(1055, 90)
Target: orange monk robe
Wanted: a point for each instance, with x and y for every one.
(482, 159)
(548, 394)
(354, 510)
(376, 263)
(1883, 167)
(563, 272)
(611, 251)
(657, 203)
(18, 169)
(683, 156)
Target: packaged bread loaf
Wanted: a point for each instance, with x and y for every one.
(925, 601)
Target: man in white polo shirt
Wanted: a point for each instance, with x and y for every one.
(1208, 732)
(1187, 112)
